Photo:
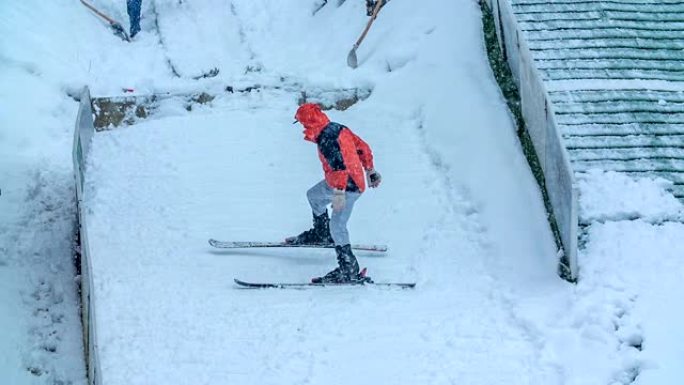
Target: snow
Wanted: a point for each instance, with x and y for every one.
(615, 196)
(644, 289)
(458, 208)
(39, 316)
(635, 225)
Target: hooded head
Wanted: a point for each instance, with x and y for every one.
(313, 120)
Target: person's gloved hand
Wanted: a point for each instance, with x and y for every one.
(374, 178)
(338, 200)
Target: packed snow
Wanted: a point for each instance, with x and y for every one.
(40, 338)
(458, 208)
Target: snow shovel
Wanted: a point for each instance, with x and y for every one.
(352, 61)
(115, 25)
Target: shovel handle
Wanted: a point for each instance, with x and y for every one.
(97, 12)
(370, 22)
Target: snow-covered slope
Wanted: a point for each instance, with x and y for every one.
(40, 338)
(458, 208)
(236, 169)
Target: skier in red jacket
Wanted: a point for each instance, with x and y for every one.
(344, 157)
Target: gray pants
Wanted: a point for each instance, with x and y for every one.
(320, 196)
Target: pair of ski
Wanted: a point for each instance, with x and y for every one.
(285, 285)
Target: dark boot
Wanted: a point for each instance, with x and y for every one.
(347, 271)
(319, 234)
(349, 266)
(370, 6)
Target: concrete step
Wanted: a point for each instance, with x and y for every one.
(622, 129)
(620, 117)
(608, 107)
(601, 15)
(675, 177)
(678, 190)
(603, 33)
(671, 66)
(627, 153)
(638, 53)
(607, 42)
(614, 74)
(626, 141)
(607, 6)
(602, 24)
(617, 95)
(631, 165)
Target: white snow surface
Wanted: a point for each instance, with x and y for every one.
(458, 208)
(40, 329)
(609, 195)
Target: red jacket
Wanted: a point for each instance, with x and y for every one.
(343, 154)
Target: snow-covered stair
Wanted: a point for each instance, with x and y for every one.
(615, 74)
(634, 131)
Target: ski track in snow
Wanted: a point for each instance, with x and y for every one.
(244, 41)
(155, 15)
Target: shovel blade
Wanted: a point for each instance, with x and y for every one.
(351, 59)
(119, 31)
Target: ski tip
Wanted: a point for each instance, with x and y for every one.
(243, 283)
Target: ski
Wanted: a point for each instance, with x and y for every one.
(115, 25)
(240, 245)
(302, 285)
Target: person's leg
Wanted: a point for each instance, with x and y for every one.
(319, 196)
(348, 268)
(338, 222)
(370, 4)
(133, 8)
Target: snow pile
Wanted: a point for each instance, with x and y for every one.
(610, 195)
(631, 269)
(39, 315)
(636, 268)
(40, 338)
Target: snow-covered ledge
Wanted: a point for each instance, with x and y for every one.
(539, 117)
(83, 134)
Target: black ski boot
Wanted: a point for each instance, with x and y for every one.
(370, 6)
(319, 234)
(347, 271)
